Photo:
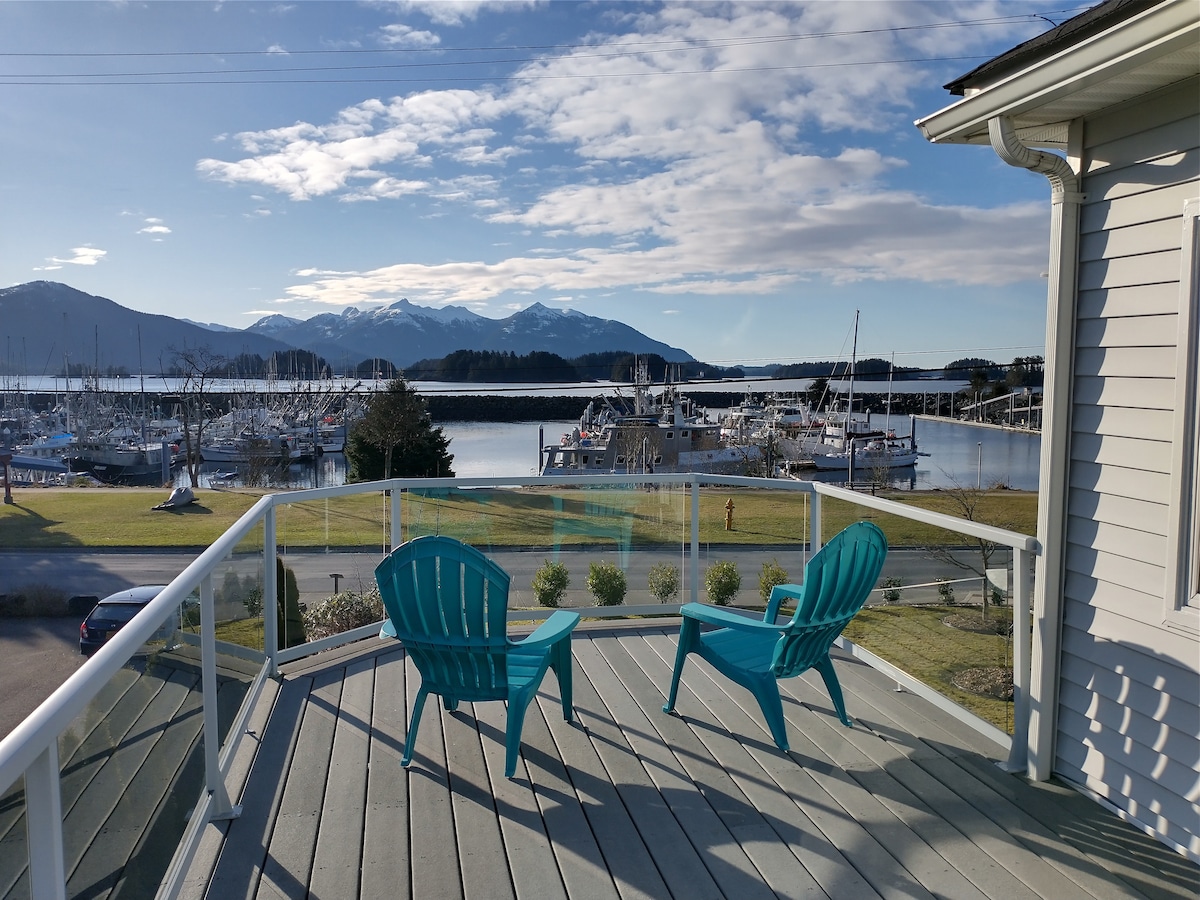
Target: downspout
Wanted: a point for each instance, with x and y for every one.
(1050, 569)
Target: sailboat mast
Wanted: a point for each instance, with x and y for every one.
(853, 360)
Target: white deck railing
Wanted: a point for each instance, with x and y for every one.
(31, 749)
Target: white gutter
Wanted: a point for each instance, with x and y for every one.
(1156, 33)
(1056, 433)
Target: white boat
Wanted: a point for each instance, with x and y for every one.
(849, 442)
(667, 435)
(882, 450)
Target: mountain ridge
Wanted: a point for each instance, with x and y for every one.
(99, 334)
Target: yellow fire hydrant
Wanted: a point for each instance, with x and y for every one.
(729, 515)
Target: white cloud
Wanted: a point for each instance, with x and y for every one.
(83, 256)
(456, 12)
(398, 35)
(693, 153)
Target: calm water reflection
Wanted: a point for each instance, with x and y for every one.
(959, 453)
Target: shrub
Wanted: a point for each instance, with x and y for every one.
(550, 583)
(946, 592)
(663, 582)
(607, 583)
(342, 612)
(254, 602)
(891, 589)
(722, 582)
(772, 574)
(33, 600)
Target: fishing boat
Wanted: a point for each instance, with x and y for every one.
(664, 434)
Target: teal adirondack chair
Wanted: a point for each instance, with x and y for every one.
(754, 654)
(448, 604)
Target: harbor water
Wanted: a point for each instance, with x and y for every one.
(954, 453)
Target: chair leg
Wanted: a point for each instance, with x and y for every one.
(825, 667)
(450, 704)
(410, 742)
(560, 662)
(689, 632)
(516, 721)
(766, 692)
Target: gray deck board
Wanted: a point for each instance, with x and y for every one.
(385, 862)
(340, 828)
(628, 802)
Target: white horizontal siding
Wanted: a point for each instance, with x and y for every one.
(1103, 749)
(1116, 183)
(1121, 481)
(1129, 331)
(1151, 424)
(1124, 615)
(1115, 390)
(1113, 672)
(1133, 513)
(1118, 451)
(1160, 203)
(1133, 240)
(1148, 268)
(1170, 752)
(1139, 300)
(1117, 540)
(1142, 580)
(1163, 141)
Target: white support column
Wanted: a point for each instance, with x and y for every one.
(270, 592)
(397, 535)
(44, 827)
(695, 540)
(1018, 754)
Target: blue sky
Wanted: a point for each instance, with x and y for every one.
(735, 179)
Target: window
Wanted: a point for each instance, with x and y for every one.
(1182, 601)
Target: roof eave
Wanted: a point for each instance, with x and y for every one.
(1121, 50)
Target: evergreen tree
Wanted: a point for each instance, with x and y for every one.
(397, 439)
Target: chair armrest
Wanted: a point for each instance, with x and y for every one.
(715, 615)
(779, 593)
(550, 632)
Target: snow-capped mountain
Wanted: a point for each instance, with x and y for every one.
(404, 333)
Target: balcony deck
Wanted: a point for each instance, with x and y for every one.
(628, 802)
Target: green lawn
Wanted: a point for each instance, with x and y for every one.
(916, 640)
(123, 517)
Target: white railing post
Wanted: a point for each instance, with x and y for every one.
(1022, 748)
(270, 592)
(814, 524)
(221, 807)
(695, 539)
(44, 826)
(396, 524)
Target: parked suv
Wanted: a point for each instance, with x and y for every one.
(112, 613)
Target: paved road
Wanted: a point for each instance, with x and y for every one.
(99, 573)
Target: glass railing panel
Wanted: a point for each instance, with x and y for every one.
(606, 538)
(131, 765)
(14, 856)
(328, 550)
(942, 611)
(238, 603)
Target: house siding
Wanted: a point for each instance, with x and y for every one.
(1129, 705)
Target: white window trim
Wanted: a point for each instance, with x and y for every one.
(1182, 600)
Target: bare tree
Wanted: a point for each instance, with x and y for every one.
(198, 367)
(968, 504)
